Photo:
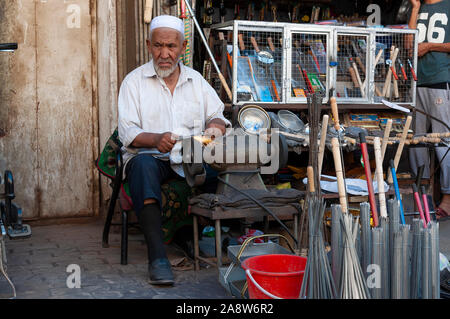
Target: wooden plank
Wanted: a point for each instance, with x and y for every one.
(64, 91)
(217, 213)
(19, 104)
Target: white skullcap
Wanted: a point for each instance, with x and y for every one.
(167, 21)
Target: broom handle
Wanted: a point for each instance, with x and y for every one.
(323, 138)
(419, 204)
(335, 113)
(387, 82)
(425, 204)
(394, 73)
(270, 42)
(368, 172)
(339, 173)
(377, 59)
(387, 131)
(379, 174)
(148, 11)
(358, 78)
(241, 42)
(398, 154)
(310, 174)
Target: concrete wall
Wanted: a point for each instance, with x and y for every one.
(48, 106)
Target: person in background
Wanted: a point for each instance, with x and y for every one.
(159, 101)
(433, 89)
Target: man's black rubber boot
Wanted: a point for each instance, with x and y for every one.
(160, 272)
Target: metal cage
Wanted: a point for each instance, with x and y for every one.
(280, 62)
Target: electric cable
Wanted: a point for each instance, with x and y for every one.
(262, 206)
(2, 270)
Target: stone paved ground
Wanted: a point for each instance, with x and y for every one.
(37, 267)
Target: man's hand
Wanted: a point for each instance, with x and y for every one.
(415, 3)
(215, 128)
(423, 48)
(165, 142)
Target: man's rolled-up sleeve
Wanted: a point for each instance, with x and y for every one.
(128, 107)
(214, 107)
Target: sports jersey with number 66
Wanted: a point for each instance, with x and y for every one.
(433, 26)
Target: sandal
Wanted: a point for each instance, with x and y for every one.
(441, 214)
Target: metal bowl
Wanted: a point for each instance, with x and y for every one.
(253, 118)
(290, 121)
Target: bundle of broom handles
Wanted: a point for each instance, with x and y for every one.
(379, 150)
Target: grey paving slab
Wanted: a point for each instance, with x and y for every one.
(37, 266)
(444, 238)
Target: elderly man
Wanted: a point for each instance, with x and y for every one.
(157, 102)
(433, 93)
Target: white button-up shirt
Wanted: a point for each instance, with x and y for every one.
(146, 105)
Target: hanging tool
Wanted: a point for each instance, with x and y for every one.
(387, 132)
(277, 56)
(403, 69)
(316, 62)
(183, 10)
(377, 59)
(222, 11)
(425, 204)
(358, 57)
(394, 73)
(411, 68)
(352, 73)
(387, 82)
(276, 52)
(263, 57)
(252, 75)
(365, 155)
(390, 62)
(401, 144)
(397, 190)
(391, 67)
(236, 12)
(148, 11)
(209, 12)
(358, 78)
(213, 60)
(274, 13)
(339, 174)
(323, 138)
(337, 127)
(265, 61)
(306, 78)
(242, 49)
(379, 176)
(419, 204)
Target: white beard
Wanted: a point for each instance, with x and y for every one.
(164, 73)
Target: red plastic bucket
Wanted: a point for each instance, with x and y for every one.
(274, 276)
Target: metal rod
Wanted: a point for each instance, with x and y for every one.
(377, 247)
(434, 259)
(211, 55)
(366, 250)
(406, 261)
(385, 258)
(426, 293)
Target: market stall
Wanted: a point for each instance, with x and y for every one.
(338, 91)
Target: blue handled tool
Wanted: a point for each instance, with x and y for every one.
(397, 191)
